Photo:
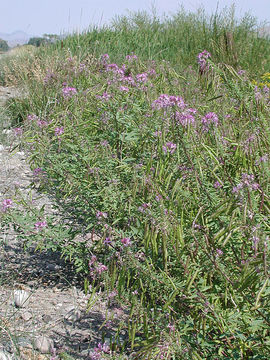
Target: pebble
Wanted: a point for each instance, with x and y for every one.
(26, 316)
(46, 318)
(21, 298)
(4, 355)
(6, 131)
(73, 315)
(43, 344)
(1, 147)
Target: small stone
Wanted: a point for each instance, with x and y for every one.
(51, 267)
(21, 298)
(46, 318)
(26, 316)
(1, 147)
(4, 355)
(43, 344)
(73, 315)
(6, 131)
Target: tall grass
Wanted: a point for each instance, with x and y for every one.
(179, 39)
(164, 166)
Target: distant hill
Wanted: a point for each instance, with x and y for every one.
(16, 38)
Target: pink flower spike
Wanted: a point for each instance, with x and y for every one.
(126, 241)
(18, 131)
(58, 131)
(40, 225)
(7, 203)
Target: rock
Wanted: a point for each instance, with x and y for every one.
(46, 318)
(26, 316)
(73, 315)
(4, 355)
(50, 267)
(1, 147)
(6, 131)
(43, 344)
(21, 298)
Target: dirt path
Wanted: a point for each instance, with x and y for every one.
(56, 305)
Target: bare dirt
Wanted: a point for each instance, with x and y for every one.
(57, 305)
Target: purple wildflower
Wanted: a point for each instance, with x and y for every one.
(101, 215)
(152, 72)
(126, 241)
(113, 67)
(100, 268)
(129, 80)
(210, 118)
(104, 59)
(40, 225)
(6, 204)
(247, 182)
(130, 58)
(42, 123)
(58, 131)
(169, 147)
(217, 185)
(107, 241)
(142, 78)
(241, 72)
(68, 92)
(49, 76)
(124, 88)
(32, 117)
(219, 252)
(185, 118)
(18, 131)
(105, 96)
(166, 101)
(202, 60)
(37, 171)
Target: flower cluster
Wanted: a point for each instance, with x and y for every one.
(202, 60)
(18, 131)
(126, 242)
(98, 351)
(68, 92)
(186, 117)
(6, 204)
(101, 215)
(131, 58)
(169, 147)
(166, 101)
(142, 78)
(58, 131)
(247, 182)
(209, 119)
(95, 267)
(40, 225)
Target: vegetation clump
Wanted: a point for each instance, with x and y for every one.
(166, 166)
(3, 45)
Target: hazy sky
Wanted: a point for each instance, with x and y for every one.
(37, 17)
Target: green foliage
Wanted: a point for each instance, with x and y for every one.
(3, 45)
(37, 41)
(170, 195)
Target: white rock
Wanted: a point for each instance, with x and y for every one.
(21, 298)
(6, 131)
(5, 356)
(1, 149)
(43, 344)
